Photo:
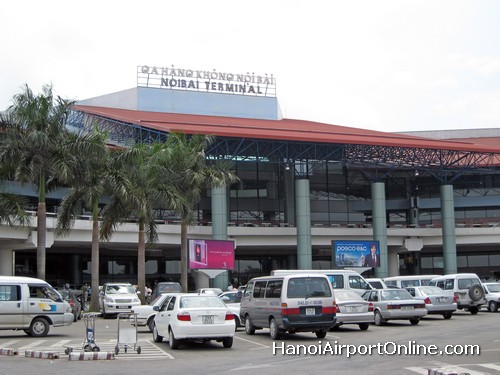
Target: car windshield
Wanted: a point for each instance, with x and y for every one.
(120, 289)
(392, 294)
(306, 287)
(162, 288)
(347, 295)
(156, 300)
(201, 301)
(494, 288)
(431, 290)
(231, 297)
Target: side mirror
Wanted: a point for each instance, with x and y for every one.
(138, 292)
(225, 298)
(156, 308)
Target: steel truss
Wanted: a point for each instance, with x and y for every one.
(375, 162)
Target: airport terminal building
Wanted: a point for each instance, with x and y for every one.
(431, 200)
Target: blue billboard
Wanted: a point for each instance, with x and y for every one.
(356, 253)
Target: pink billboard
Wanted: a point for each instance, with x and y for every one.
(211, 254)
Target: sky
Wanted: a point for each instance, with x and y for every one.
(386, 65)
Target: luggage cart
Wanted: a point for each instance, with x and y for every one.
(127, 332)
(89, 344)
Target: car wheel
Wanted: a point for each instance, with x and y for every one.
(474, 310)
(237, 323)
(172, 341)
(274, 330)
(364, 326)
(249, 327)
(75, 317)
(320, 334)
(39, 327)
(414, 322)
(227, 342)
(447, 315)
(476, 292)
(379, 321)
(156, 336)
(151, 323)
(492, 306)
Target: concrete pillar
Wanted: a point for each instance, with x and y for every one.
(219, 228)
(289, 177)
(448, 230)
(393, 261)
(380, 227)
(303, 217)
(7, 262)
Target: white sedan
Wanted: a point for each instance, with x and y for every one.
(146, 313)
(196, 317)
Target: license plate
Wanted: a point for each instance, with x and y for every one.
(353, 309)
(207, 319)
(407, 307)
(442, 299)
(310, 311)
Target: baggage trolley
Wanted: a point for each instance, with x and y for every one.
(127, 332)
(89, 344)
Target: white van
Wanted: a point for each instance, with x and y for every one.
(291, 303)
(467, 290)
(340, 279)
(409, 280)
(31, 305)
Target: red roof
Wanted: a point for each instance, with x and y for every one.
(285, 129)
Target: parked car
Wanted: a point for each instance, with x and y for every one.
(492, 291)
(233, 300)
(31, 305)
(436, 300)
(395, 304)
(352, 309)
(193, 316)
(146, 313)
(116, 298)
(165, 287)
(408, 280)
(376, 283)
(339, 278)
(466, 288)
(292, 303)
(74, 301)
(214, 291)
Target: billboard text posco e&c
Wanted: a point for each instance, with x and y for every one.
(356, 253)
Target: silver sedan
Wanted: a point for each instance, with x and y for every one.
(437, 301)
(352, 309)
(395, 304)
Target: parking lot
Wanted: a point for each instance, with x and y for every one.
(293, 354)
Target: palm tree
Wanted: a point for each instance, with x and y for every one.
(148, 185)
(13, 209)
(188, 159)
(93, 177)
(35, 145)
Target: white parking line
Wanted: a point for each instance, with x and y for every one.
(491, 366)
(33, 344)
(60, 344)
(8, 343)
(272, 364)
(252, 342)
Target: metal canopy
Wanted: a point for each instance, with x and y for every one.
(375, 162)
